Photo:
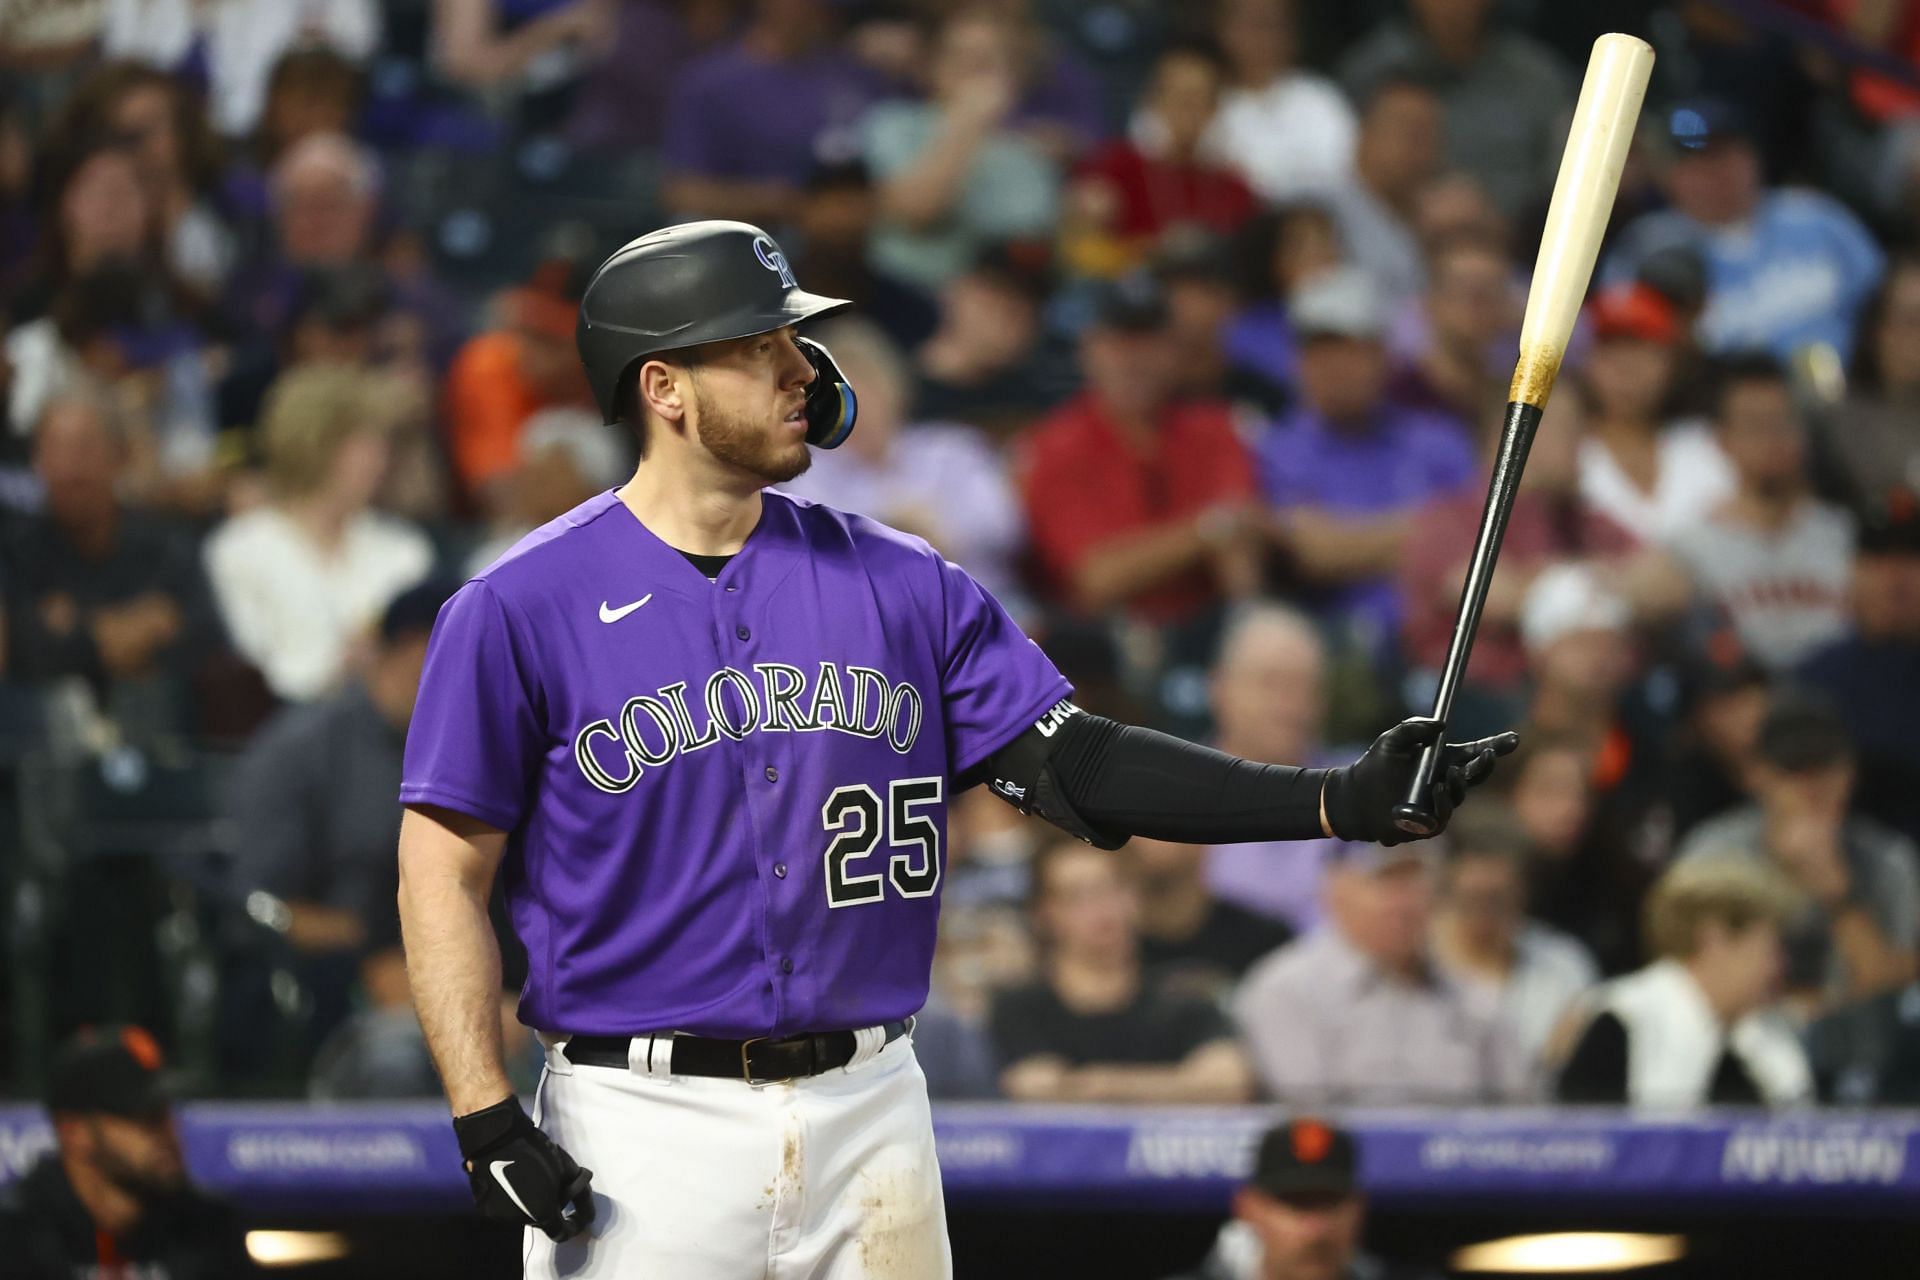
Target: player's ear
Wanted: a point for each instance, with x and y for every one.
(662, 388)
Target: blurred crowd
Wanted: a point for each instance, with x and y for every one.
(1185, 328)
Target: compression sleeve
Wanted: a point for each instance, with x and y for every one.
(1104, 782)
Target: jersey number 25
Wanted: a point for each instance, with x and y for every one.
(855, 812)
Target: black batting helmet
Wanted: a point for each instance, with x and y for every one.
(679, 287)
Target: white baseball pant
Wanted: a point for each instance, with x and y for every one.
(831, 1177)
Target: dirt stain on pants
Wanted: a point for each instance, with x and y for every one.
(898, 1236)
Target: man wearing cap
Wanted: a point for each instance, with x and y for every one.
(1652, 476)
(1786, 269)
(1135, 500)
(1357, 1012)
(1348, 468)
(112, 1199)
(1301, 1214)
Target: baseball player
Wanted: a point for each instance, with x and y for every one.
(708, 735)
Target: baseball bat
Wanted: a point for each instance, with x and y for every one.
(1603, 125)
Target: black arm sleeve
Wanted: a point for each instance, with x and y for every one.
(1105, 782)
(1596, 1071)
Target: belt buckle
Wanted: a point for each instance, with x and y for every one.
(746, 1067)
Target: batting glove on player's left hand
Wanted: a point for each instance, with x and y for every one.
(1360, 799)
(520, 1175)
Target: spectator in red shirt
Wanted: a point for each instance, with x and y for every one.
(1134, 499)
(1135, 189)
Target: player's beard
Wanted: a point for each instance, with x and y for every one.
(739, 442)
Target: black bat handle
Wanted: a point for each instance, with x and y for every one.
(1415, 814)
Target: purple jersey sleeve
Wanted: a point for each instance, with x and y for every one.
(994, 680)
(476, 737)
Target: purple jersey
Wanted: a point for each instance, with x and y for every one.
(727, 800)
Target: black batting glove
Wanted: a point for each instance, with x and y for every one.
(520, 1175)
(1360, 799)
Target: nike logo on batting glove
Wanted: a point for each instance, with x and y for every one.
(499, 1170)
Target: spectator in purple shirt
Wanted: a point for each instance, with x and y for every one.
(1348, 469)
(743, 123)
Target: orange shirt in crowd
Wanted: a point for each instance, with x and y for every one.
(488, 400)
(1084, 483)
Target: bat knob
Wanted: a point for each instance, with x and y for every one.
(1414, 820)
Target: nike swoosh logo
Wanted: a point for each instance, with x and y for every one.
(614, 615)
(499, 1170)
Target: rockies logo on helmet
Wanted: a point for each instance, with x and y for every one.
(773, 260)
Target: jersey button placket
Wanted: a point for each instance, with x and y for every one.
(744, 634)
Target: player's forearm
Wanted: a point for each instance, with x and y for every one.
(453, 966)
(453, 961)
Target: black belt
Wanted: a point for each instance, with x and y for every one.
(757, 1061)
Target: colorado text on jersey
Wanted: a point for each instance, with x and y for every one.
(653, 729)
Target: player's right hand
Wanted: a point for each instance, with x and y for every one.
(520, 1175)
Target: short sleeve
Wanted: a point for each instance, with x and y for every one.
(994, 681)
(476, 737)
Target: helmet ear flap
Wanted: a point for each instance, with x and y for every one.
(831, 403)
